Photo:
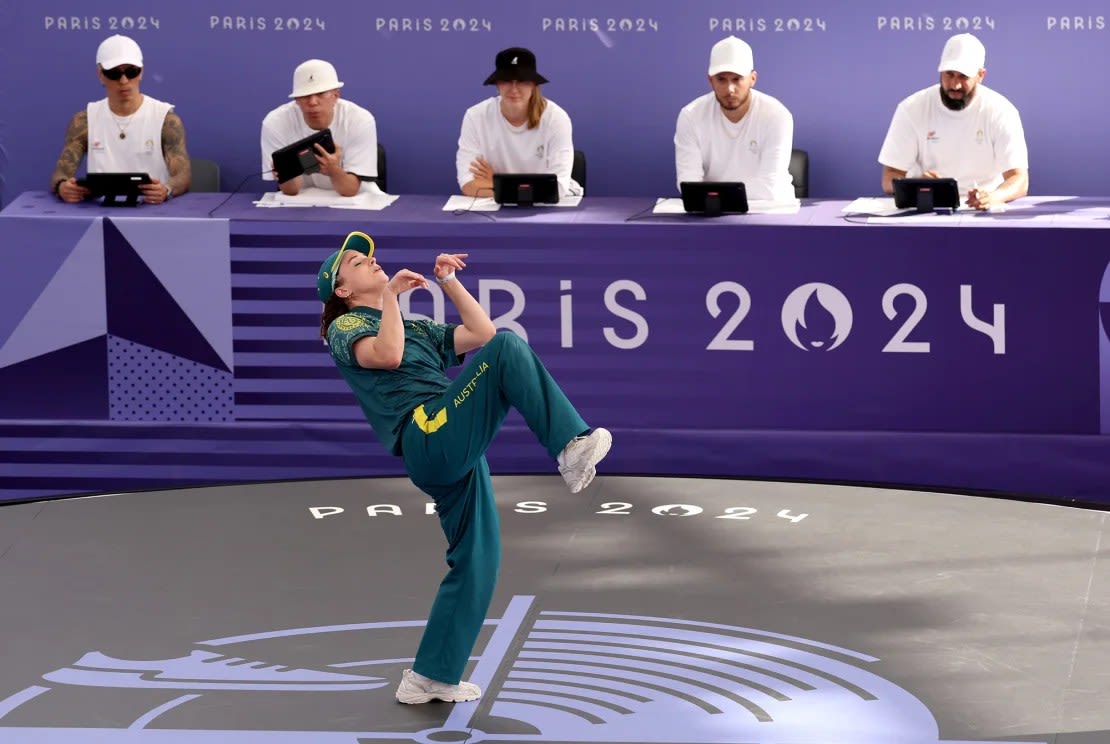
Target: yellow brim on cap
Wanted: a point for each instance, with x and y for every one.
(325, 279)
(358, 241)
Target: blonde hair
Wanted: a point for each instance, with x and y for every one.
(536, 106)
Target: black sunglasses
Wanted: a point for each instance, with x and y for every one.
(130, 72)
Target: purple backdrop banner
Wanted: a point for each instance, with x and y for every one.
(157, 348)
(622, 68)
(774, 327)
(659, 325)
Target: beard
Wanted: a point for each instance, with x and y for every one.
(956, 104)
(733, 106)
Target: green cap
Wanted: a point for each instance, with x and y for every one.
(325, 280)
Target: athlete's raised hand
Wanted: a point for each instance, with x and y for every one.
(404, 280)
(449, 263)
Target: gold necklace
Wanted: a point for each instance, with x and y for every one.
(122, 128)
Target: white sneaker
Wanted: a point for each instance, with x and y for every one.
(579, 459)
(416, 688)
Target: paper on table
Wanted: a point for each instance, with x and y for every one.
(368, 201)
(271, 199)
(461, 203)
(370, 197)
(760, 206)
(673, 205)
(877, 206)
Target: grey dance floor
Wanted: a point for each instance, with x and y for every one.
(642, 610)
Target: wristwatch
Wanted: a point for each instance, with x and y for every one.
(441, 280)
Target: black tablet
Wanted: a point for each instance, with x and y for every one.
(299, 158)
(114, 186)
(525, 189)
(714, 197)
(926, 194)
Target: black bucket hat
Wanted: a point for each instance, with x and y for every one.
(515, 63)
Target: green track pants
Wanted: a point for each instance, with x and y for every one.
(444, 449)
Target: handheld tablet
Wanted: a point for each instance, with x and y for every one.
(299, 157)
(112, 186)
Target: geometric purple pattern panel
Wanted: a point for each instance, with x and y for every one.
(283, 371)
(69, 383)
(62, 289)
(146, 384)
(191, 258)
(141, 309)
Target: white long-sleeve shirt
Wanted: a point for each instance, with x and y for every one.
(755, 150)
(549, 148)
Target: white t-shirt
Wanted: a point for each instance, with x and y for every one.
(975, 146)
(139, 151)
(755, 150)
(352, 128)
(549, 148)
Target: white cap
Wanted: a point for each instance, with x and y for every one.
(118, 50)
(963, 53)
(314, 76)
(731, 55)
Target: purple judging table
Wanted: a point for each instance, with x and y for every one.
(176, 345)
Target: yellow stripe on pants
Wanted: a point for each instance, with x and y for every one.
(429, 425)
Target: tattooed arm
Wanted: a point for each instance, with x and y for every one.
(177, 158)
(177, 163)
(63, 182)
